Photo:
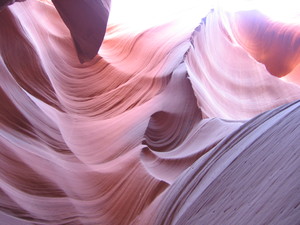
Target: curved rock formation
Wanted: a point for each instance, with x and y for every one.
(170, 123)
(275, 44)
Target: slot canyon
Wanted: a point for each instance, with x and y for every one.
(148, 112)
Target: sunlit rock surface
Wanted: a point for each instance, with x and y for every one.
(178, 121)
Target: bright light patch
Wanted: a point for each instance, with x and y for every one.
(146, 13)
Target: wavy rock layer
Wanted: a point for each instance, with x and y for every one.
(172, 123)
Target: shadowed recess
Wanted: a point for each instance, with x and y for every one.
(86, 20)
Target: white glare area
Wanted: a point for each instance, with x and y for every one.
(146, 13)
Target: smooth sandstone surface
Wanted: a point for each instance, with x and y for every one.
(173, 122)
